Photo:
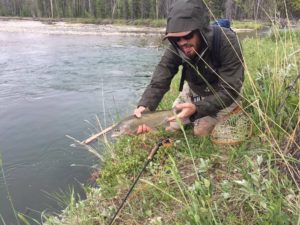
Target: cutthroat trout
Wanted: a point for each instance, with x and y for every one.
(154, 120)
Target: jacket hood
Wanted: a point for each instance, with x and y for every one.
(187, 15)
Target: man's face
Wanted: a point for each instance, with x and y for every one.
(188, 44)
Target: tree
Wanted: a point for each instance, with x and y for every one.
(51, 8)
(294, 8)
(145, 8)
(229, 9)
(100, 8)
(136, 9)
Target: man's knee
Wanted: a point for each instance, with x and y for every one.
(204, 126)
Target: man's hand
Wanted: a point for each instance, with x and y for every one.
(185, 111)
(138, 113)
(143, 129)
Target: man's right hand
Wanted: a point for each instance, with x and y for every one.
(138, 113)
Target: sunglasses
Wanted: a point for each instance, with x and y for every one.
(186, 37)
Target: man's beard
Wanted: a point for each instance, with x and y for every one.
(188, 50)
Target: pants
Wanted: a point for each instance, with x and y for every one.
(205, 125)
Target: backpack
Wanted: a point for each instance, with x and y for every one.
(223, 23)
(217, 26)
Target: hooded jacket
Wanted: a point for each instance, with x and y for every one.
(217, 86)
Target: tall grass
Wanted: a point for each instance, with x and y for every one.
(19, 218)
(196, 182)
(11, 205)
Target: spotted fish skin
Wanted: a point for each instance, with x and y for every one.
(154, 120)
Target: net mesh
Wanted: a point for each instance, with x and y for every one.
(234, 130)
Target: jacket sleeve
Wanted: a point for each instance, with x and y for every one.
(161, 79)
(231, 77)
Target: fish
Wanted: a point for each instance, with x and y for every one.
(154, 120)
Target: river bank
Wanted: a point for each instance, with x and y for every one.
(61, 27)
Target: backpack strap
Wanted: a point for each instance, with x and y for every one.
(216, 45)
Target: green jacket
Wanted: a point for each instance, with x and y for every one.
(217, 86)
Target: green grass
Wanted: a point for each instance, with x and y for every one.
(248, 24)
(243, 24)
(137, 22)
(197, 182)
(9, 198)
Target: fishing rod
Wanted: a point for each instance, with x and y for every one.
(149, 159)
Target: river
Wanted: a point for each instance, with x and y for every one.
(50, 86)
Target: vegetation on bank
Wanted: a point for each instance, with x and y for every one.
(241, 24)
(137, 22)
(197, 182)
(145, 9)
(248, 24)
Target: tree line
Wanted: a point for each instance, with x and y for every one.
(145, 9)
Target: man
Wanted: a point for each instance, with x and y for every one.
(212, 89)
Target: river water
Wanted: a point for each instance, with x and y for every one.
(50, 86)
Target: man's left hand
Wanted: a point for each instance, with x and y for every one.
(185, 111)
